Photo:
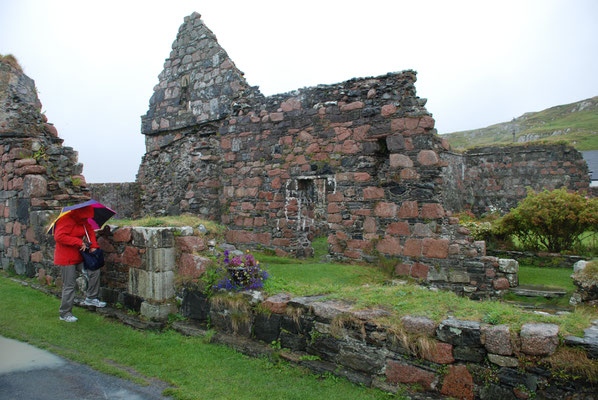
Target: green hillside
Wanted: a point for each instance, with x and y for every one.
(575, 123)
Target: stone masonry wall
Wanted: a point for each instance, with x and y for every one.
(38, 176)
(359, 162)
(143, 264)
(454, 358)
(124, 198)
(498, 177)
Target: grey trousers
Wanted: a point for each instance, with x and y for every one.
(69, 276)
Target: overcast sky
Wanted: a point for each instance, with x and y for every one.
(479, 62)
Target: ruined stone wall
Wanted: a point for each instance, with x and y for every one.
(497, 177)
(453, 358)
(122, 197)
(199, 87)
(358, 162)
(38, 176)
(143, 264)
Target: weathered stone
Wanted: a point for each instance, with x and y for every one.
(395, 143)
(503, 361)
(277, 303)
(435, 248)
(497, 339)
(432, 211)
(157, 312)
(293, 341)
(500, 283)
(151, 285)
(331, 308)
(400, 161)
(385, 210)
(514, 378)
(469, 353)
(122, 235)
(539, 339)
(427, 157)
(153, 237)
(159, 260)
(458, 383)
(362, 358)
(132, 257)
(416, 325)
(389, 245)
(397, 372)
(192, 266)
(508, 266)
(195, 305)
(459, 333)
(325, 346)
(35, 186)
(190, 244)
(442, 353)
(266, 327)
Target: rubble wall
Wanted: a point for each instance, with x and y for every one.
(497, 178)
(358, 162)
(454, 358)
(39, 176)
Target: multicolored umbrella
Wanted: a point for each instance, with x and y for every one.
(101, 214)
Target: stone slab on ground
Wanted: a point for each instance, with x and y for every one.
(538, 291)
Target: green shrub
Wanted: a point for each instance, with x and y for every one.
(486, 228)
(552, 220)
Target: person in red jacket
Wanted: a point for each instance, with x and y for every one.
(71, 234)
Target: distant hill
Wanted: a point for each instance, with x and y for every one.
(575, 123)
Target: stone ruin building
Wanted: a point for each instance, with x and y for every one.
(358, 162)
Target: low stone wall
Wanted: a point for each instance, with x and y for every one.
(142, 265)
(539, 259)
(460, 359)
(124, 198)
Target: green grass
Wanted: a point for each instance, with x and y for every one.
(551, 277)
(166, 221)
(196, 369)
(306, 279)
(369, 287)
(557, 278)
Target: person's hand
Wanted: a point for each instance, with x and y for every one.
(83, 247)
(92, 249)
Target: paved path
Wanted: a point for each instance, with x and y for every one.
(28, 373)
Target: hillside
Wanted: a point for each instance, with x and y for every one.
(575, 123)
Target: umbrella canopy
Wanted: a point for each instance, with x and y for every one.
(101, 214)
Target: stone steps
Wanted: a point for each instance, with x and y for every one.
(538, 291)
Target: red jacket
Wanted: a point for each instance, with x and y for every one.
(69, 234)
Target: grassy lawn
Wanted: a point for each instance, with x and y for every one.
(196, 369)
(368, 287)
(558, 278)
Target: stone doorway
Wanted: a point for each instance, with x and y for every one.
(306, 209)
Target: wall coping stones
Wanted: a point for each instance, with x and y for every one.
(459, 332)
(539, 339)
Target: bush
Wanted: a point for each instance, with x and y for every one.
(551, 220)
(486, 228)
